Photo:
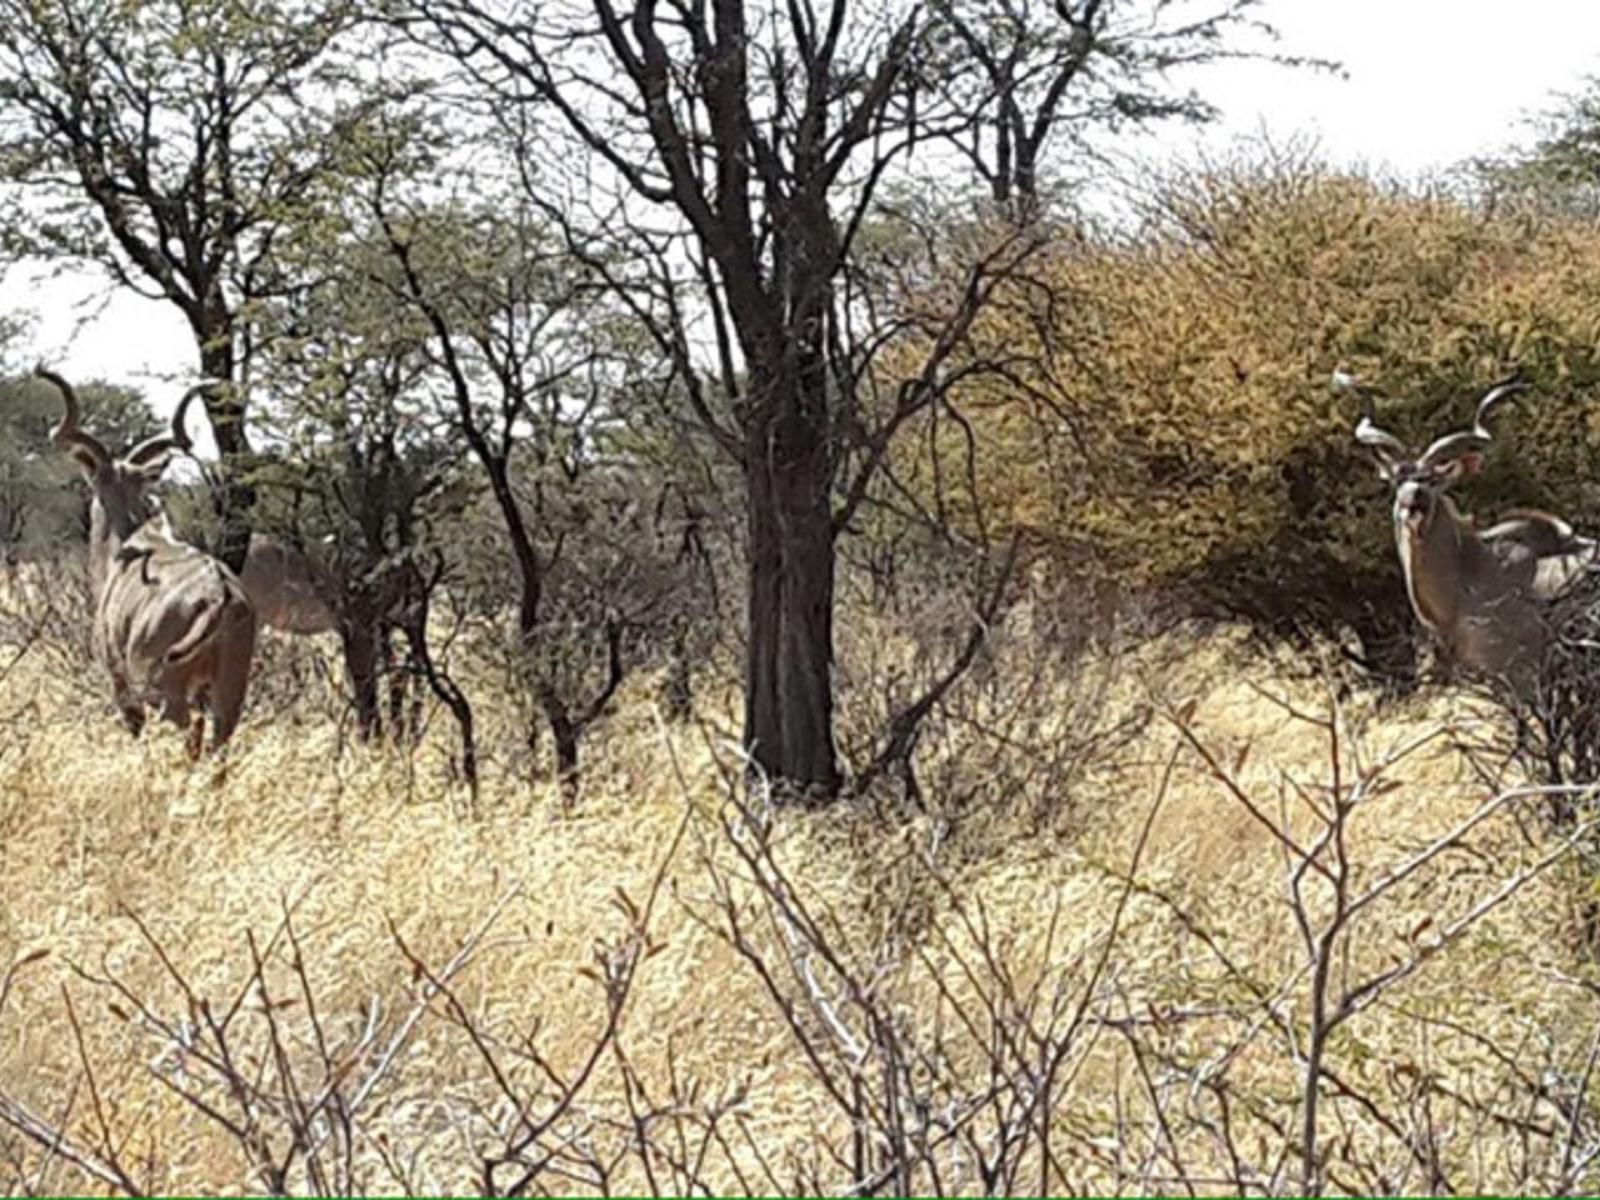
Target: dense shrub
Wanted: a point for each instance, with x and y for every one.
(1173, 428)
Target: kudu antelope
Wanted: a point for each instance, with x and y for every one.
(172, 624)
(1480, 593)
(294, 594)
(287, 589)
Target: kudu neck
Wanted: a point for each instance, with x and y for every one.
(1434, 559)
(110, 527)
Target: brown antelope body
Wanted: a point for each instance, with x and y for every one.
(287, 589)
(172, 624)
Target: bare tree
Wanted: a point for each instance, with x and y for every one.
(539, 367)
(1037, 73)
(763, 133)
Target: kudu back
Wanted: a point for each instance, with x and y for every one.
(287, 589)
(172, 625)
(1482, 593)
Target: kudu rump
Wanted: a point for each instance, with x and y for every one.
(172, 624)
(1481, 593)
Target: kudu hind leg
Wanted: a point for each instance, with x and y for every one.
(177, 707)
(132, 717)
(195, 744)
(231, 680)
(129, 706)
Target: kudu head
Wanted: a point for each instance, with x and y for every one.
(121, 486)
(1421, 481)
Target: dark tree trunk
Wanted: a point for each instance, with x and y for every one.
(763, 733)
(530, 570)
(566, 733)
(789, 668)
(394, 680)
(360, 645)
(237, 496)
(567, 726)
(405, 693)
(415, 627)
(1023, 204)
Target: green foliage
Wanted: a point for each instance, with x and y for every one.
(122, 116)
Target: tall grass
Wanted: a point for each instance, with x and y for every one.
(314, 972)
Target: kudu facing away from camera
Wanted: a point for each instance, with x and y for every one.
(1481, 593)
(172, 624)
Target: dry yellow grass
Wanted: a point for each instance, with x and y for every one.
(91, 822)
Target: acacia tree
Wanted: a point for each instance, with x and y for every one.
(356, 494)
(1036, 73)
(1560, 171)
(537, 365)
(364, 480)
(174, 143)
(763, 132)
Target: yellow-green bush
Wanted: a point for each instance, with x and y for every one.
(1170, 420)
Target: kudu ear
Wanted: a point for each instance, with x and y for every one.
(1463, 466)
(86, 461)
(148, 467)
(150, 457)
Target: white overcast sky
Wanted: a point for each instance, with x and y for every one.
(1427, 83)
